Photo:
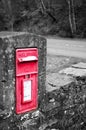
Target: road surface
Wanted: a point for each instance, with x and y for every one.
(67, 47)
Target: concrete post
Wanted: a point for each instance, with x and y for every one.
(9, 42)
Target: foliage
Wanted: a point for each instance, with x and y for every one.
(42, 17)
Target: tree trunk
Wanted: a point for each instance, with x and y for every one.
(72, 17)
(8, 9)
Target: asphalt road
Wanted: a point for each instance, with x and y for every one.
(66, 47)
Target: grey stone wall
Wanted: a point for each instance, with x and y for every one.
(66, 94)
(9, 42)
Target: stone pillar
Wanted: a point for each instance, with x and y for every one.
(9, 42)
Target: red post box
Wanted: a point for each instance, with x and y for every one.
(26, 79)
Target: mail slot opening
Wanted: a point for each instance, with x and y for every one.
(27, 59)
(27, 76)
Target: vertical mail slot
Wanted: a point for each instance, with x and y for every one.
(26, 79)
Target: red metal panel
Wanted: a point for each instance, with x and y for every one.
(26, 79)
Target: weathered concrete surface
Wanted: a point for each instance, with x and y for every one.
(80, 65)
(78, 70)
(9, 41)
(55, 81)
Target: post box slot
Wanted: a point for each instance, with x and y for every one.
(27, 76)
(28, 58)
(26, 73)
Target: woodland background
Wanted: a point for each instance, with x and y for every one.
(65, 18)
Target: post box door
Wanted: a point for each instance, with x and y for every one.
(26, 79)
